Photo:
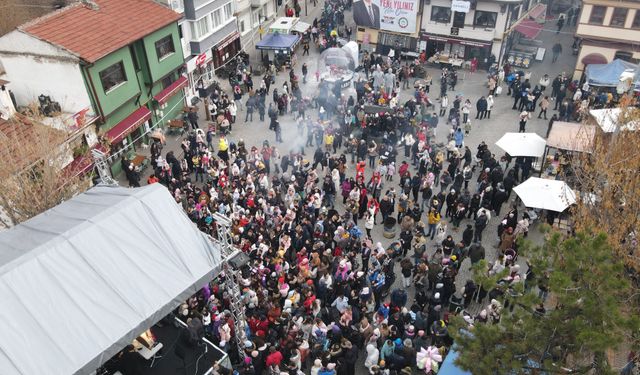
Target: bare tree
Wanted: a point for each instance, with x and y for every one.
(32, 178)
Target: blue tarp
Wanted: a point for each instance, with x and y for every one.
(450, 368)
(278, 42)
(609, 74)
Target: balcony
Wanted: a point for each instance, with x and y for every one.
(258, 3)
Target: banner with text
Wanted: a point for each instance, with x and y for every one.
(390, 15)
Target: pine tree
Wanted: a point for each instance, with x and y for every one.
(588, 316)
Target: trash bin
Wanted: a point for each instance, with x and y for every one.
(389, 228)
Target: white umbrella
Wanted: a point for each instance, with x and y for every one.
(552, 195)
(522, 144)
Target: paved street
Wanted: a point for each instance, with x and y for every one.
(472, 86)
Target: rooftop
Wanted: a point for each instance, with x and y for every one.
(93, 29)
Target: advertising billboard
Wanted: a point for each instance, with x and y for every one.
(390, 15)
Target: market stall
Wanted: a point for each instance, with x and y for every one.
(122, 243)
(566, 138)
(608, 119)
(444, 59)
(278, 47)
(608, 75)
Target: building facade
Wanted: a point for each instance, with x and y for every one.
(209, 36)
(254, 16)
(126, 76)
(609, 30)
(477, 29)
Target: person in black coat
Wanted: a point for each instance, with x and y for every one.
(499, 197)
(467, 235)
(481, 108)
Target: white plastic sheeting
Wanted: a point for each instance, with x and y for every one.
(82, 280)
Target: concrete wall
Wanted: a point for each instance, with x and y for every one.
(34, 67)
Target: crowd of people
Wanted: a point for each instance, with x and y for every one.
(319, 293)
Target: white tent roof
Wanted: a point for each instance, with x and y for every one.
(522, 144)
(547, 194)
(82, 280)
(607, 120)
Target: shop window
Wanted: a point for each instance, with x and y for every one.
(165, 47)
(619, 17)
(636, 20)
(113, 76)
(458, 19)
(485, 19)
(440, 14)
(597, 14)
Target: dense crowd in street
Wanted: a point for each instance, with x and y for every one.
(320, 294)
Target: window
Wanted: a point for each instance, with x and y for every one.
(164, 47)
(217, 18)
(485, 19)
(228, 12)
(597, 14)
(619, 17)
(242, 28)
(636, 20)
(180, 32)
(440, 14)
(167, 81)
(458, 19)
(113, 76)
(201, 27)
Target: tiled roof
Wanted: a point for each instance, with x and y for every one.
(92, 32)
(20, 131)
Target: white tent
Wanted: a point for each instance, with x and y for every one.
(82, 280)
(522, 144)
(552, 195)
(607, 120)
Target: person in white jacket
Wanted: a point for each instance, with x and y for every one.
(373, 355)
(490, 103)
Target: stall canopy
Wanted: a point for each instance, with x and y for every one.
(522, 144)
(82, 280)
(529, 28)
(546, 194)
(571, 136)
(608, 120)
(449, 367)
(278, 42)
(608, 75)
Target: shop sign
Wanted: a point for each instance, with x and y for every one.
(201, 59)
(228, 40)
(460, 6)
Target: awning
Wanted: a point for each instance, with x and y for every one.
(228, 40)
(164, 95)
(529, 28)
(128, 125)
(82, 164)
(594, 58)
(466, 42)
(538, 11)
(278, 42)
